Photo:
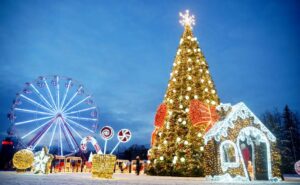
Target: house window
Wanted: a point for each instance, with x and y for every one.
(229, 155)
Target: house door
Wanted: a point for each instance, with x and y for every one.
(261, 165)
(255, 151)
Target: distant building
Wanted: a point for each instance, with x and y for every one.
(6, 154)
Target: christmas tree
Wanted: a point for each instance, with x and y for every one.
(187, 111)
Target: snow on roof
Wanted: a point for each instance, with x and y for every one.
(240, 110)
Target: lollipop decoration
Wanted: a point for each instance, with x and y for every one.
(106, 133)
(124, 135)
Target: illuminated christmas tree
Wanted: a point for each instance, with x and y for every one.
(187, 111)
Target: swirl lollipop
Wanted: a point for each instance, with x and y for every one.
(124, 135)
(106, 133)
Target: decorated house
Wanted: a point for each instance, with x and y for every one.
(239, 146)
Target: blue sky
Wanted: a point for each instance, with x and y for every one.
(122, 51)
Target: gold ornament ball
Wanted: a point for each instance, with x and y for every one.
(23, 159)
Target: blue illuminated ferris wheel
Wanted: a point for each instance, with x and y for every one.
(53, 111)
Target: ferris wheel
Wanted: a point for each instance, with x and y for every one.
(53, 111)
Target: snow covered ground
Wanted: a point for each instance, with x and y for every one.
(12, 178)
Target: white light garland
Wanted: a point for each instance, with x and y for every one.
(239, 110)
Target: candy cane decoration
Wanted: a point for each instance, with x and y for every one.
(124, 135)
(90, 139)
(106, 133)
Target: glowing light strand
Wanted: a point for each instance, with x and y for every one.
(41, 96)
(41, 137)
(82, 110)
(66, 94)
(32, 111)
(53, 133)
(79, 125)
(36, 103)
(33, 120)
(77, 103)
(75, 94)
(69, 137)
(57, 91)
(50, 93)
(35, 129)
(82, 118)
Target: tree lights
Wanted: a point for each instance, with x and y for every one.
(177, 125)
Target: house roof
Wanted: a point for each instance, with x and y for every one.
(239, 110)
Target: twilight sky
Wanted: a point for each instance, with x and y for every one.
(122, 51)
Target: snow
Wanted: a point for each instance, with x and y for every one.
(13, 178)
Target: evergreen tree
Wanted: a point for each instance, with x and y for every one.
(290, 140)
(285, 126)
(273, 121)
(178, 144)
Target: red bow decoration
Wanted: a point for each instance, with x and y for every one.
(153, 136)
(160, 115)
(202, 114)
(159, 121)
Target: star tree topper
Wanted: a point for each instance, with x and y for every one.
(187, 19)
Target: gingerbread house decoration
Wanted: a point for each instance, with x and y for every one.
(240, 147)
